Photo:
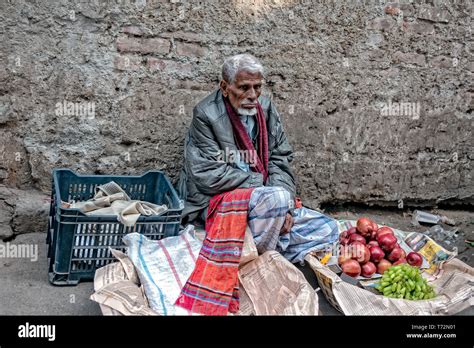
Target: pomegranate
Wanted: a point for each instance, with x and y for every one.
(395, 254)
(351, 268)
(361, 253)
(399, 261)
(387, 242)
(404, 255)
(376, 254)
(344, 241)
(383, 266)
(414, 259)
(375, 227)
(373, 235)
(372, 243)
(368, 269)
(351, 230)
(384, 230)
(364, 226)
(352, 249)
(344, 255)
(344, 238)
(356, 238)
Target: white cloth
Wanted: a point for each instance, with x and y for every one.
(111, 199)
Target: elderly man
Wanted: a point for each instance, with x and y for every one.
(236, 140)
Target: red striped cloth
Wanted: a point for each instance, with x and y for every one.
(213, 287)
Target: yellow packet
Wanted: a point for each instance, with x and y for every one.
(326, 258)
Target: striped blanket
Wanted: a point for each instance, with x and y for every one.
(213, 287)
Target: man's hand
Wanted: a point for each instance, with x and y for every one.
(288, 224)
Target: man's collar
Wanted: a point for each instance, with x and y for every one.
(240, 115)
(219, 100)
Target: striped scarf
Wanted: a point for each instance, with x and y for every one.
(213, 287)
(259, 158)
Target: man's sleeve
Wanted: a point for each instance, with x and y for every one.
(205, 163)
(280, 173)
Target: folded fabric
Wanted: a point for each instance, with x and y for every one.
(268, 207)
(312, 231)
(111, 199)
(163, 267)
(213, 287)
(130, 214)
(98, 203)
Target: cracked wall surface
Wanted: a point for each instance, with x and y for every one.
(376, 97)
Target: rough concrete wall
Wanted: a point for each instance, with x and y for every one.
(333, 68)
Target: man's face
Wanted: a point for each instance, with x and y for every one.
(243, 92)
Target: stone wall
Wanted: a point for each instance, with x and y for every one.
(376, 97)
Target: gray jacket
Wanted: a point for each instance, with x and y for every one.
(204, 174)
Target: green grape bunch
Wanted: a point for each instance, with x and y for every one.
(405, 281)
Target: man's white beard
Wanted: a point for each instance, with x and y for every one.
(247, 112)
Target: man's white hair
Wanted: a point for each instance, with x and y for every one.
(240, 62)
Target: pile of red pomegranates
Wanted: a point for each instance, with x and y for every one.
(368, 249)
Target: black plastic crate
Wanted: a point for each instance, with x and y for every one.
(78, 244)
